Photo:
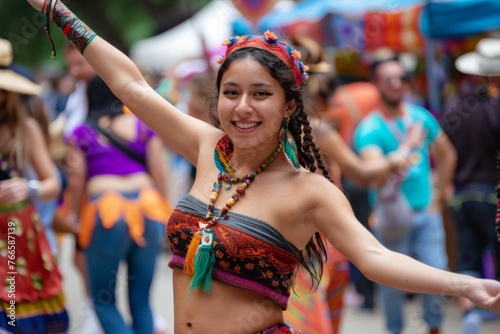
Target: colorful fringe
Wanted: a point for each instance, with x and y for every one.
(319, 312)
(111, 207)
(38, 317)
(338, 270)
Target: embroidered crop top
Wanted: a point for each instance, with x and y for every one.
(105, 158)
(250, 254)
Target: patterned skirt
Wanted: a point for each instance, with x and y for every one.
(31, 296)
(319, 311)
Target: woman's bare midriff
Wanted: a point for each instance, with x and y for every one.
(126, 183)
(233, 311)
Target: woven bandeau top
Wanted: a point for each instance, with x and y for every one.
(250, 254)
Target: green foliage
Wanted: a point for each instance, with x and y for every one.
(120, 22)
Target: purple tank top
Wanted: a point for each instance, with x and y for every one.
(103, 158)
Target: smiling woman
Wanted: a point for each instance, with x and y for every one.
(236, 251)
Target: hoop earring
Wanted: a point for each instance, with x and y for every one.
(289, 145)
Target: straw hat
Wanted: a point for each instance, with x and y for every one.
(10, 80)
(484, 61)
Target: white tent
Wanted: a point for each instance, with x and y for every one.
(213, 23)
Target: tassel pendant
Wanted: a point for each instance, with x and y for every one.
(204, 262)
(290, 148)
(191, 253)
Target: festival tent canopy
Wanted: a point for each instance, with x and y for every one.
(460, 18)
(315, 10)
(400, 24)
(354, 25)
(198, 37)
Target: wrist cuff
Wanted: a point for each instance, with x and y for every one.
(33, 189)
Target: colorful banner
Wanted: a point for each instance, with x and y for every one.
(348, 31)
(254, 10)
(398, 30)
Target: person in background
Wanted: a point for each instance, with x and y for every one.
(471, 120)
(46, 209)
(320, 310)
(57, 85)
(32, 298)
(349, 104)
(235, 251)
(74, 114)
(379, 134)
(117, 161)
(192, 78)
(340, 161)
(76, 110)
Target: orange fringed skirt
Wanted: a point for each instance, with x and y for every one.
(112, 206)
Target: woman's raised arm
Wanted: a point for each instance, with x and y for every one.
(126, 81)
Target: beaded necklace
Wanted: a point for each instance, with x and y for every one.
(200, 257)
(6, 171)
(240, 191)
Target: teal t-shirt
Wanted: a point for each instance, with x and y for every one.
(375, 131)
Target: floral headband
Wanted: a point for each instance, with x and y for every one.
(269, 42)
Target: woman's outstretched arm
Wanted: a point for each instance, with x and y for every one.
(333, 217)
(179, 131)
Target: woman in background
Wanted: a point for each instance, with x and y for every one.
(118, 163)
(31, 296)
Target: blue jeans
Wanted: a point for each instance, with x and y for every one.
(426, 243)
(104, 254)
(474, 210)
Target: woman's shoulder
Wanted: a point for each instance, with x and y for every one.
(315, 186)
(32, 128)
(30, 123)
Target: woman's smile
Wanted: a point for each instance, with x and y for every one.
(246, 125)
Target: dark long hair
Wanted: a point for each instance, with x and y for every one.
(13, 115)
(102, 101)
(313, 255)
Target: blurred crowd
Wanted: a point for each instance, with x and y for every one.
(375, 132)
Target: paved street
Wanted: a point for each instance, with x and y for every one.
(354, 322)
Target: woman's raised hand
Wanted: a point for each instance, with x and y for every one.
(37, 4)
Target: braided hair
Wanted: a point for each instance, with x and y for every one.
(309, 157)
